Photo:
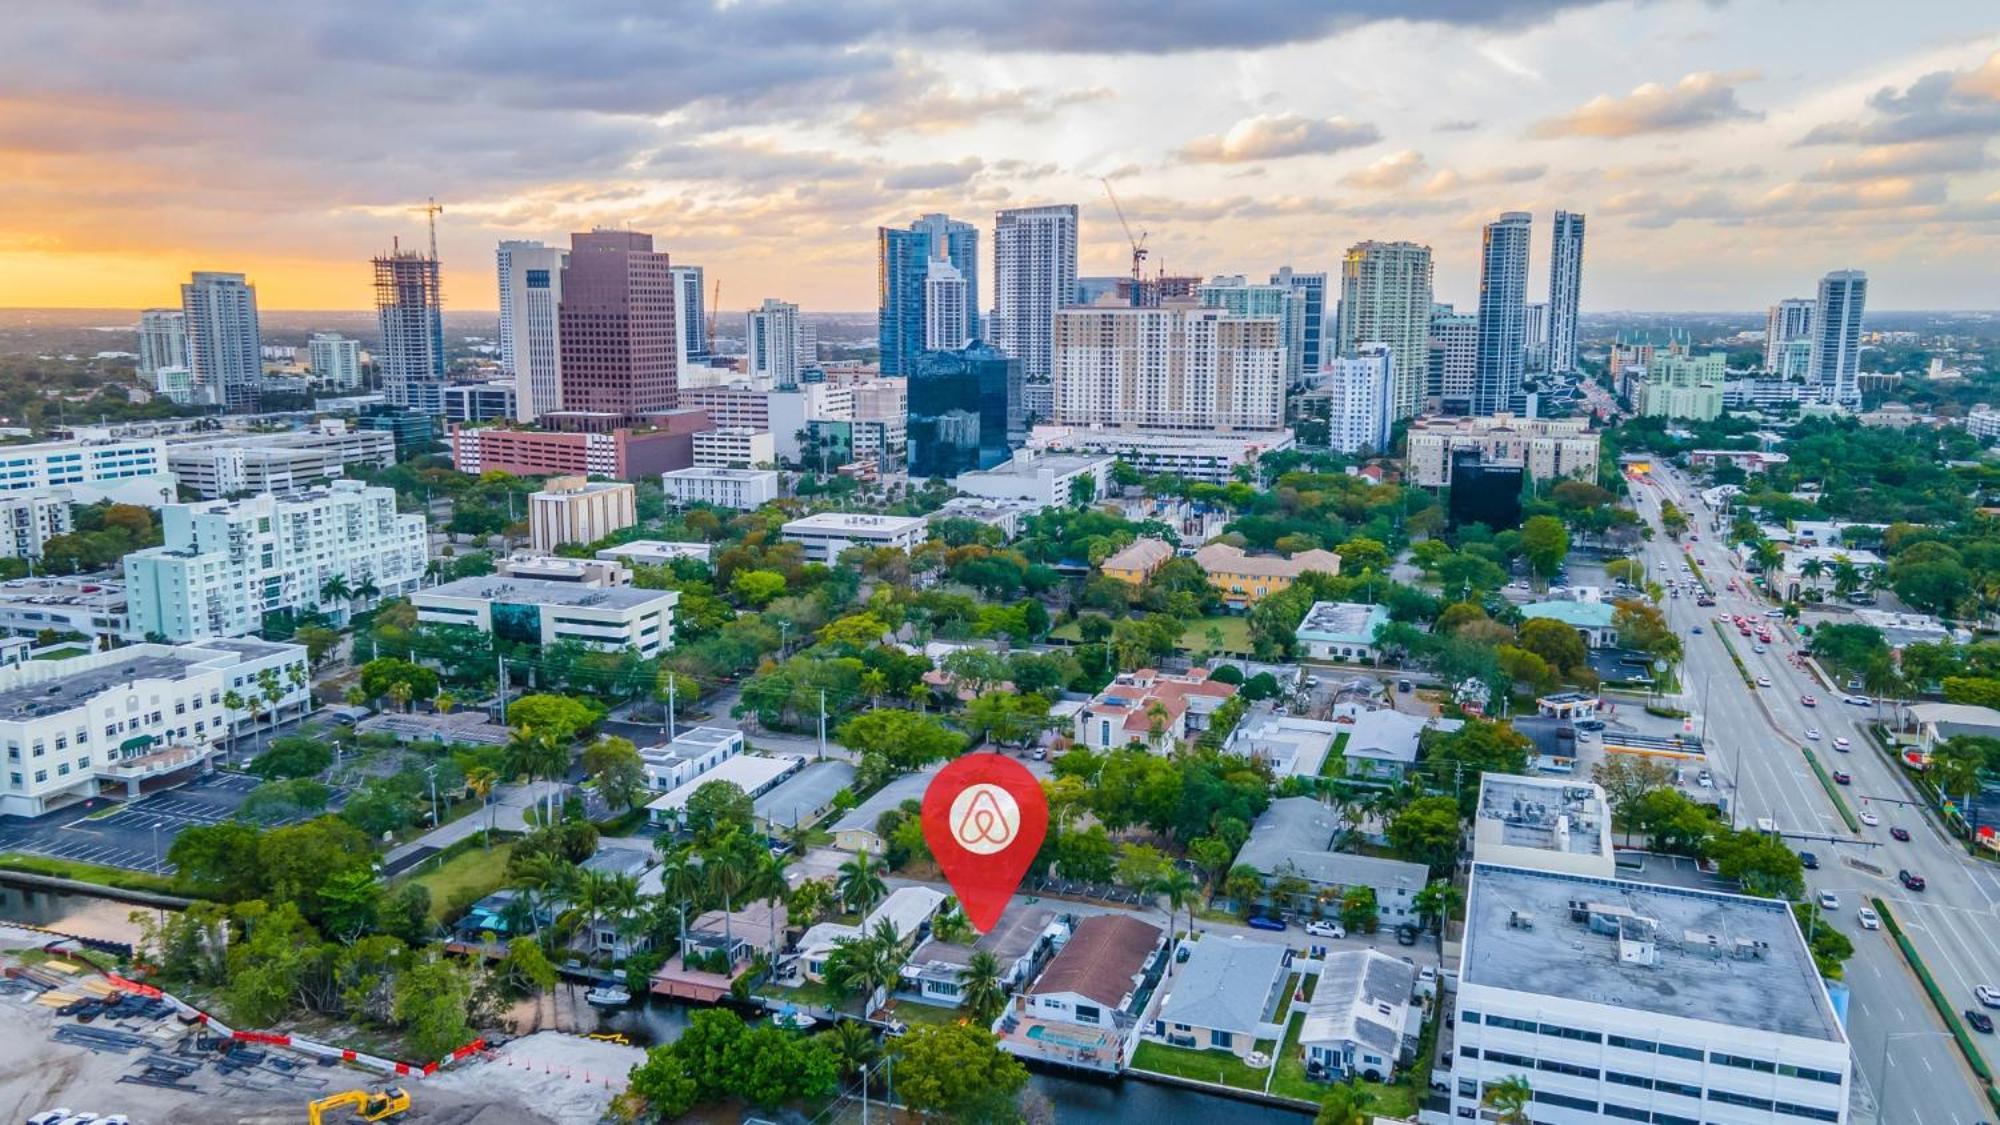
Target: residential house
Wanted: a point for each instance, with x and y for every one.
(1083, 1010)
(1382, 744)
(907, 910)
(1226, 995)
(1294, 839)
(1590, 619)
(855, 830)
(1341, 631)
(691, 754)
(626, 858)
(1361, 1023)
(713, 948)
(1936, 722)
(1154, 708)
(1244, 579)
(1024, 938)
(1137, 562)
(1294, 746)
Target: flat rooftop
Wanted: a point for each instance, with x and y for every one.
(719, 474)
(534, 591)
(1550, 815)
(853, 521)
(53, 697)
(1720, 958)
(1346, 619)
(1031, 468)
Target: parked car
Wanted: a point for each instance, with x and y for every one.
(49, 1116)
(1980, 1021)
(1264, 922)
(1868, 918)
(1404, 685)
(1705, 779)
(1987, 995)
(1910, 880)
(1829, 901)
(1326, 929)
(1900, 833)
(1809, 861)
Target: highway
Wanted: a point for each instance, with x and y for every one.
(1756, 738)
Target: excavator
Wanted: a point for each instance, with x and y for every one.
(367, 1105)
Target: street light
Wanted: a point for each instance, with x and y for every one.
(159, 857)
(1882, 1094)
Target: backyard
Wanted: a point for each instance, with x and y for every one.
(463, 879)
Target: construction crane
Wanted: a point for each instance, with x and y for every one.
(714, 303)
(432, 209)
(1138, 244)
(367, 1105)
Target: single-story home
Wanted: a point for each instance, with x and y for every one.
(1382, 743)
(1340, 631)
(907, 910)
(1591, 620)
(1294, 747)
(755, 774)
(1361, 1023)
(1295, 837)
(855, 830)
(1084, 1008)
(1227, 995)
(691, 754)
(1023, 939)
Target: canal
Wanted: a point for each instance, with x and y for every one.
(662, 1021)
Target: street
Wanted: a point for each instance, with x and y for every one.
(1902, 1054)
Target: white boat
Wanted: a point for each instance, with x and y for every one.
(792, 1019)
(608, 996)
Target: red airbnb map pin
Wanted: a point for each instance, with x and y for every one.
(984, 818)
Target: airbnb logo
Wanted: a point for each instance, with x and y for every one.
(984, 818)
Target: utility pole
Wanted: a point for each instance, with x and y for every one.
(432, 772)
(673, 682)
(822, 724)
(502, 681)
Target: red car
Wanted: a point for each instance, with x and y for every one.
(1902, 834)
(1808, 701)
(1841, 777)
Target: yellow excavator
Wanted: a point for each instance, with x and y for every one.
(367, 1105)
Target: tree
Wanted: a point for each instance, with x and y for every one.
(433, 999)
(1510, 1098)
(1556, 643)
(560, 717)
(1546, 543)
(860, 883)
(1345, 1104)
(218, 861)
(959, 1072)
(1455, 759)
(901, 739)
(293, 756)
(1086, 855)
(1362, 554)
(757, 588)
(980, 992)
(1436, 901)
(1426, 831)
(1245, 885)
(861, 966)
(1627, 778)
(1359, 912)
(619, 771)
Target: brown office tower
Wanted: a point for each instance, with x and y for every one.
(617, 323)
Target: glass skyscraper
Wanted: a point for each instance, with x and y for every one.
(1503, 286)
(961, 406)
(903, 265)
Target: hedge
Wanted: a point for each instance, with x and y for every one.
(1944, 1009)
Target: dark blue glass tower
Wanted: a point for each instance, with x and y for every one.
(962, 405)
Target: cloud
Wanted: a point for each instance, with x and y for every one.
(929, 177)
(1940, 105)
(1698, 100)
(1273, 136)
(1449, 180)
(1921, 159)
(940, 109)
(1460, 125)
(1391, 171)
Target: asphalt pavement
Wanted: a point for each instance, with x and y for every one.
(1756, 738)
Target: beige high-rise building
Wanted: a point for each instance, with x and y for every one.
(1546, 448)
(579, 510)
(1177, 367)
(1385, 298)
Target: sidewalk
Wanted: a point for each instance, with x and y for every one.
(509, 814)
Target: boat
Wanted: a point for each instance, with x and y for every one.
(791, 1019)
(608, 996)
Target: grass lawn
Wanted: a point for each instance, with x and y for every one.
(1335, 764)
(810, 994)
(63, 653)
(1235, 635)
(924, 1015)
(87, 872)
(1202, 1066)
(1291, 1081)
(464, 878)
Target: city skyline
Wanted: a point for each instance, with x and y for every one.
(1865, 149)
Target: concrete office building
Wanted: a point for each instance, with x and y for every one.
(622, 453)
(733, 447)
(1503, 284)
(1545, 448)
(1239, 296)
(90, 606)
(1034, 275)
(617, 326)
(531, 277)
(1361, 399)
(1177, 367)
(224, 345)
(1385, 298)
(108, 723)
(1627, 1001)
(162, 340)
(214, 467)
(1682, 386)
(1546, 823)
(1313, 345)
(1789, 320)
(91, 469)
(578, 510)
(825, 535)
(30, 519)
(225, 564)
(538, 613)
(1836, 335)
(481, 402)
(335, 361)
(742, 489)
(409, 306)
(1210, 460)
(776, 355)
(1453, 362)
(1048, 480)
(1565, 289)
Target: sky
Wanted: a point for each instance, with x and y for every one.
(1726, 153)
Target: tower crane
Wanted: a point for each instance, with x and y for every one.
(1138, 244)
(714, 303)
(432, 209)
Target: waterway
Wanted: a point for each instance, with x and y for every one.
(662, 1021)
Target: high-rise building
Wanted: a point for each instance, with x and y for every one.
(335, 361)
(617, 326)
(1535, 329)
(1503, 284)
(1034, 275)
(1361, 405)
(946, 308)
(162, 340)
(1453, 369)
(1313, 345)
(1836, 334)
(1239, 296)
(937, 255)
(690, 316)
(902, 261)
(1178, 367)
(772, 331)
(1385, 298)
(956, 243)
(962, 404)
(1565, 287)
(1789, 319)
(224, 345)
(410, 309)
(530, 326)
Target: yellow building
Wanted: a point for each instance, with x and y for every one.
(1244, 579)
(1137, 562)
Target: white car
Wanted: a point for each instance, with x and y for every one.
(1988, 995)
(49, 1116)
(1829, 901)
(1763, 681)
(1869, 818)
(1812, 734)
(1326, 929)
(1759, 649)
(1868, 918)
(1705, 779)
(1841, 743)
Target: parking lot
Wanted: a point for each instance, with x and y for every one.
(138, 834)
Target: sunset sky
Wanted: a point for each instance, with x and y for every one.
(1725, 153)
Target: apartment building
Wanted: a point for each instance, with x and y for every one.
(218, 466)
(92, 468)
(734, 447)
(742, 489)
(30, 519)
(1179, 367)
(620, 452)
(576, 510)
(1545, 448)
(539, 613)
(225, 564)
(1244, 579)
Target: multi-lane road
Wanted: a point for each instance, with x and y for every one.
(1756, 739)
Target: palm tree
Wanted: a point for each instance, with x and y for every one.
(592, 892)
(367, 590)
(1180, 890)
(1345, 1104)
(680, 887)
(979, 989)
(1956, 766)
(725, 874)
(1846, 576)
(852, 1044)
(860, 883)
(622, 903)
(232, 702)
(1510, 1098)
(859, 966)
(768, 883)
(1435, 902)
(336, 589)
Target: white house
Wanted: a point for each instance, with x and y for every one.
(1084, 1008)
(1360, 1023)
(907, 911)
(825, 535)
(1024, 937)
(742, 489)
